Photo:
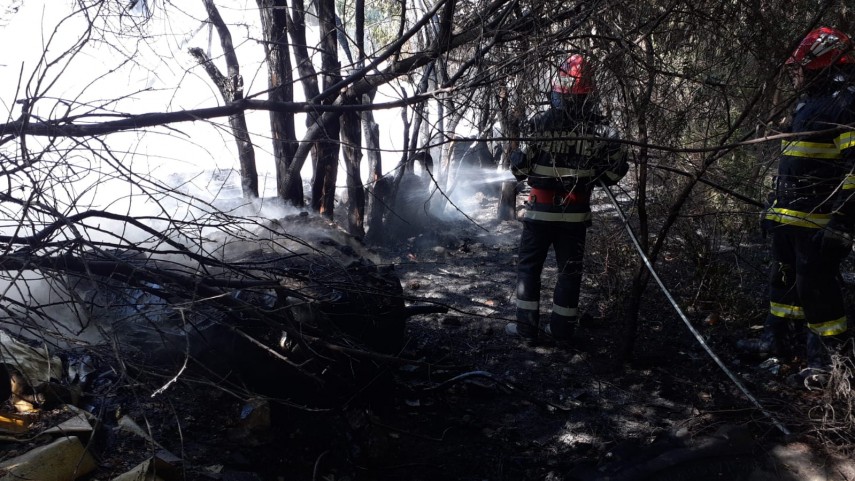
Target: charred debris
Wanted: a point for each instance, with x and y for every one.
(305, 322)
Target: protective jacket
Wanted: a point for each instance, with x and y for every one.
(572, 148)
(813, 197)
(815, 184)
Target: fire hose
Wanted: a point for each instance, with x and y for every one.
(685, 320)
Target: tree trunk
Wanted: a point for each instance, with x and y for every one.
(511, 118)
(274, 19)
(403, 162)
(447, 108)
(419, 112)
(375, 200)
(642, 277)
(352, 150)
(352, 134)
(326, 168)
(299, 45)
(446, 160)
(231, 89)
(291, 181)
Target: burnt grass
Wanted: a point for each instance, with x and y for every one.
(463, 401)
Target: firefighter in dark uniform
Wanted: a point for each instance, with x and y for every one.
(571, 149)
(812, 214)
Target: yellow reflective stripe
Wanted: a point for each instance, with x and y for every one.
(797, 218)
(817, 150)
(848, 182)
(565, 311)
(550, 171)
(528, 305)
(845, 140)
(786, 311)
(830, 328)
(558, 216)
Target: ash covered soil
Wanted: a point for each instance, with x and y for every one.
(466, 402)
(488, 407)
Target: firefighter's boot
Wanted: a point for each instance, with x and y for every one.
(526, 326)
(820, 350)
(561, 328)
(773, 342)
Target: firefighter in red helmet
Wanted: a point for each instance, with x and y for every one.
(571, 149)
(812, 213)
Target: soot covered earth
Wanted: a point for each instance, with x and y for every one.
(464, 401)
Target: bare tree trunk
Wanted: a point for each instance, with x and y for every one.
(231, 89)
(446, 158)
(511, 119)
(291, 181)
(420, 111)
(274, 19)
(642, 277)
(352, 150)
(403, 162)
(326, 168)
(351, 129)
(299, 45)
(375, 198)
(448, 126)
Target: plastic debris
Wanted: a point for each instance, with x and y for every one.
(773, 365)
(129, 425)
(36, 365)
(150, 470)
(13, 423)
(62, 460)
(78, 424)
(253, 424)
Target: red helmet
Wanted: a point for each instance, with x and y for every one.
(574, 77)
(821, 48)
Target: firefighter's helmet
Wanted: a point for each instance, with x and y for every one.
(822, 48)
(574, 77)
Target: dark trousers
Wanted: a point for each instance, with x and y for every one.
(568, 240)
(804, 293)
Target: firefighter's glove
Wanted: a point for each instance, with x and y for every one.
(833, 243)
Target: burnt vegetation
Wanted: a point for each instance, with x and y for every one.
(348, 325)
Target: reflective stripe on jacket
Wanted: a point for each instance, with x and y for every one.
(569, 151)
(797, 218)
(815, 173)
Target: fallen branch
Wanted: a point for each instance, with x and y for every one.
(505, 384)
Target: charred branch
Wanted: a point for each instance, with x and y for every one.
(66, 127)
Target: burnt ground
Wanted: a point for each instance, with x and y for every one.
(463, 401)
(582, 411)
